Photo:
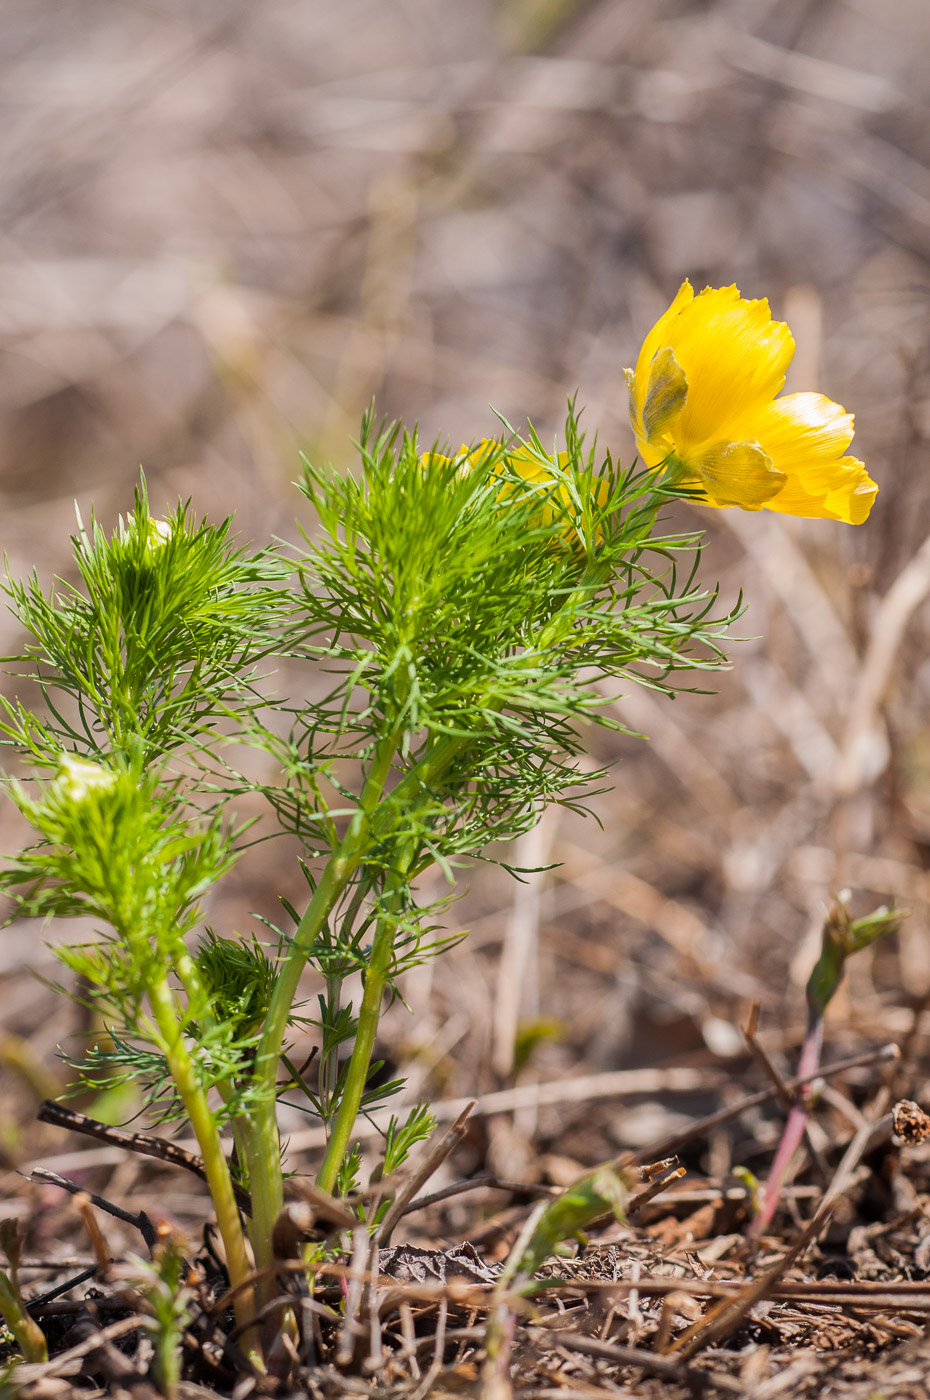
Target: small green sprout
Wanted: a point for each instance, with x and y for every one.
(27, 1334)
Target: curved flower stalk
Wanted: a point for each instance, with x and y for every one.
(841, 936)
(703, 405)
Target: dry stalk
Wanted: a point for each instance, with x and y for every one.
(647, 1361)
(434, 1159)
(701, 1126)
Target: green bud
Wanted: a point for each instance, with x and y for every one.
(77, 777)
(841, 937)
(603, 1191)
(159, 533)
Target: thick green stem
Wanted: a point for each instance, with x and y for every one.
(376, 979)
(369, 1015)
(26, 1331)
(368, 825)
(366, 828)
(267, 1182)
(251, 1142)
(338, 872)
(167, 1019)
(262, 1147)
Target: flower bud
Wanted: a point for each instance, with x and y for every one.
(76, 777)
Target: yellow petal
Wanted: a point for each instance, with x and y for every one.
(653, 454)
(527, 464)
(665, 394)
(839, 490)
(657, 339)
(734, 357)
(800, 430)
(739, 474)
(464, 460)
(806, 435)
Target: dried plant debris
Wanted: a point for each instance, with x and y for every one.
(911, 1123)
(639, 1306)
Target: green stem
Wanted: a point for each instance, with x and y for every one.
(26, 1331)
(267, 1184)
(266, 1180)
(250, 1145)
(167, 1019)
(368, 825)
(376, 980)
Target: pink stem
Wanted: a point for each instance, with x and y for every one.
(793, 1135)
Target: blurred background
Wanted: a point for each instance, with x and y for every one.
(225, 227)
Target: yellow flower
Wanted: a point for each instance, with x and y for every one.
(527, 464)
(703, 404)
